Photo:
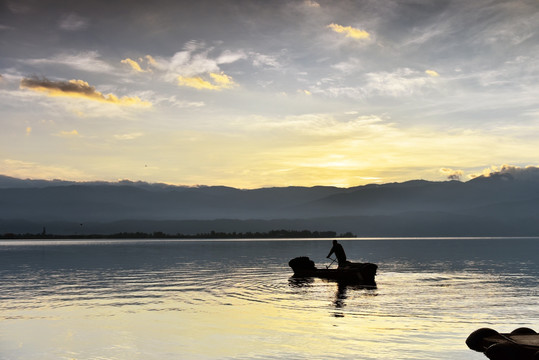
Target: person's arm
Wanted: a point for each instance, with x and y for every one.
(331, 252)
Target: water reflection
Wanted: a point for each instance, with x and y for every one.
(300, 282)
(304, 283)
(309, 287)
(340, 296)
(169, 300)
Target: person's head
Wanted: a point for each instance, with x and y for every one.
(334, 242)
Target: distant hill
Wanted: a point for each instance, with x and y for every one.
(502, 204)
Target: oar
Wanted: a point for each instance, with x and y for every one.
(327, 267)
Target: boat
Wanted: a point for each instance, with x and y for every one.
(351, 273)
(519, 344)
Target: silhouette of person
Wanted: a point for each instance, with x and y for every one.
(339, 253)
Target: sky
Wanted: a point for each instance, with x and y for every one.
(256, 94)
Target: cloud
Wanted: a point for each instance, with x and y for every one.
(87, 61)
(261, 60)
(228, 57)
(422, 35)
(311, 4)
(148, 62)
(515, 172)
(349, 31)
(67, 134)
(222, 80)
(18, 7)
(73, 22)
(432, 73)
(188, 64)
(320, 126)
(174, 101)
(32, 170)
(217, 82)
(130, 136)
(196, 67)
(195, 82)
(11, 76)
(134, 65)
(77, 88)
(348, 66)
(452, 174)
(403, 81)
(398, 83)
(151, 61)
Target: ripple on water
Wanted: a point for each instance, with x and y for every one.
(251, 309)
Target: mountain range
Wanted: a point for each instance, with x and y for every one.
(500, 204)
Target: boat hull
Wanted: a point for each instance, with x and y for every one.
(352, 273)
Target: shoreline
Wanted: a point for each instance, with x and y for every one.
(273, 234)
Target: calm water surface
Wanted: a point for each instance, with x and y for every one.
(161, 300)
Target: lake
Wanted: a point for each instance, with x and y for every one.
(226, 299)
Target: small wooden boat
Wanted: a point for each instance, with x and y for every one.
(520, 344)
(352, 273)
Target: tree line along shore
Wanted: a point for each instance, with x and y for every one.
(273, 234)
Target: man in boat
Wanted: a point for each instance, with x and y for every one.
(339, 253)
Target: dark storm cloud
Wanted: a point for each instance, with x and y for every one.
(76, 88)
(72, 86)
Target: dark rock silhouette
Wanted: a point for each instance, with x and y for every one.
(520, 344)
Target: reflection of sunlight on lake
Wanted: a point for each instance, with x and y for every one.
(236, 300)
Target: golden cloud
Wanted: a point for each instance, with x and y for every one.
(195, 82)
(77, 88)
(71, 133)
(134, 65)
(218, 82)
(151, 61)
(222, 80)
(350, 31)
(432, 73)
(147, 61)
